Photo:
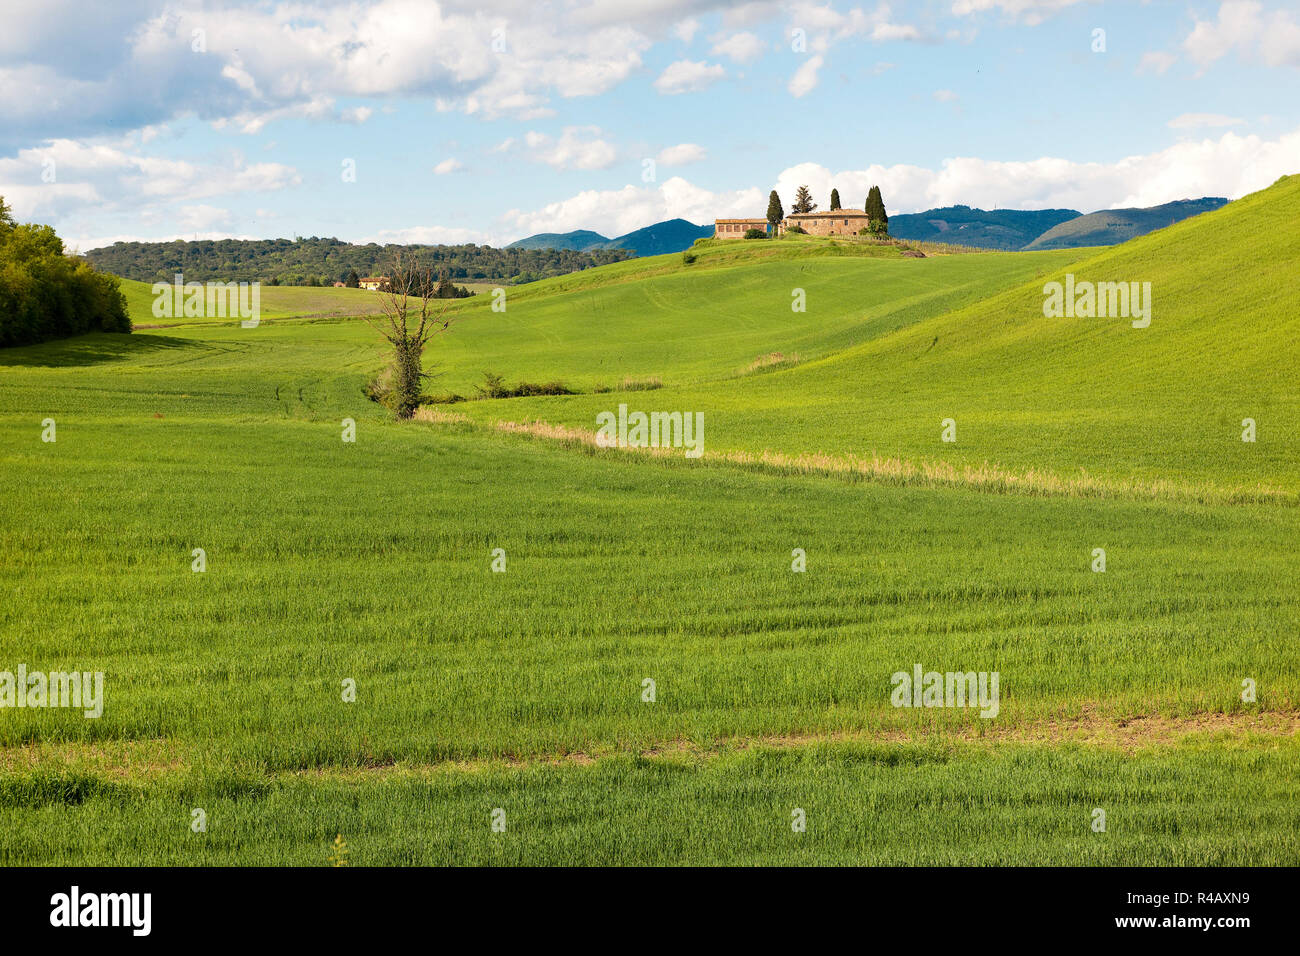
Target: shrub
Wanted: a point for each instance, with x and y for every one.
(755, 234)
(494, 386)
(688, 257)
(798, 229)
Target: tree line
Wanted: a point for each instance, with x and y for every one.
(317, 261)
(45, 294)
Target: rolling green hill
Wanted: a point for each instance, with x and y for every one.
(330, 561)
(1066, 396)
(1109, 227)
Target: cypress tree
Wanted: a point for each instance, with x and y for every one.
(775, 211)
(875, 209)
(835, 199)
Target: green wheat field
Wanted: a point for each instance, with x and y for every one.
(519, 698)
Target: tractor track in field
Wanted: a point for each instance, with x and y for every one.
(149, 760)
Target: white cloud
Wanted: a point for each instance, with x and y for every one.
(1242, 25)
(1230, 166)
(685, 30)
(80, 73)
(448, 165)
(202, 217)
(687, 76)
(1198, 120)
(805, 78)
(99, 177)
(80, 243)
(825, 26)
(1157, 61)
(614, 212)
(681, 155)
(429, 235)
(740, 47)
(578, 147)
(1031, 12)
(945, 96)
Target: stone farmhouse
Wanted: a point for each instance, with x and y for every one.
(736, 228)
(828, 222)
(824, 222)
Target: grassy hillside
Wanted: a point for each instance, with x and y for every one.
(1109, 227)
(1063, 396)
(371, 561)
(277, 302)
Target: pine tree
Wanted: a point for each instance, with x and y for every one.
(353, 281)
(775, 211)
(803, 201)
(835, 199)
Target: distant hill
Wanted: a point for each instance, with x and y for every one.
(987, 229)
(1109, 227)
(315, 261)
(672, 235)
(580, 240)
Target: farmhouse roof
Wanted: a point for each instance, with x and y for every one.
(827, 214)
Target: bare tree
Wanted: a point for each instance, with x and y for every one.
(406, 287)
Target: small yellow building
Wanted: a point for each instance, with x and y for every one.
(736, 228)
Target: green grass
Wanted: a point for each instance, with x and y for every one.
(863, 805)
(371, 561)
(276, 302)
(1061, 396)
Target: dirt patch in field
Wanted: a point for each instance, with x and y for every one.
(123, 760)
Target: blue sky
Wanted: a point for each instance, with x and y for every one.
(402, 120)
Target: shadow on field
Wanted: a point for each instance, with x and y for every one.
(93, 349)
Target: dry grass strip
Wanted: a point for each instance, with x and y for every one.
(901, 471)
